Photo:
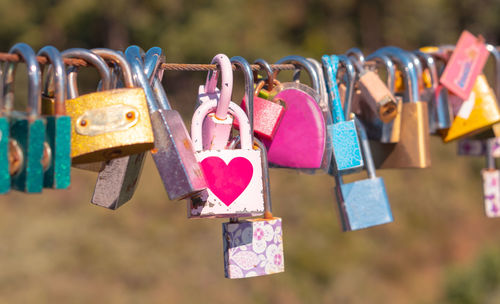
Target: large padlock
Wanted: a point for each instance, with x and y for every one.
(413, 149)
(254, 247)
(27, 129)
(234, 176)
(109, 124)
(363, 203)
(300, 141)
(491, 184)
(173, 153)
(58, 133)
(346, 149)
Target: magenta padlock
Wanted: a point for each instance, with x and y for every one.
(234, 176)
(217, 126)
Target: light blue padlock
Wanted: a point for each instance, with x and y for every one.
(347, 156)
(363, 203)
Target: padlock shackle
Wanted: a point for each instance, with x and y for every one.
(56, 78)
(389, 66)
(268, 209)
(154, 58)
(245, 67)
(119, 59)
(350, 80)
(93, 59)
(301, 62)
(207, 107)
(496, 57)
(34, 84)
(365, 149)
(269, 72)
(356, 54)
(323, 103)
(330, 66)
(490, 160)
(226, 71)
(430, 64)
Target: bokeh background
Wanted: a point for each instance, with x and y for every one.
(57, 247)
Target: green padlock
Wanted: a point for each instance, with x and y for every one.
(4, 146)
(27, 129)
(58, 133)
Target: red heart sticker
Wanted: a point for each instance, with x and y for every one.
(227, 182)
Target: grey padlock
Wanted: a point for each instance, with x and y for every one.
(173, 152)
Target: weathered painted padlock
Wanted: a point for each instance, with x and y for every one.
(218, 125)
(4, 143)
(491, 185)
(234, 176)
(27, 130)
(254, 247)
(413, 149)
(58, 133)
(173, 153)
(363, 203)
(117, 181)
(346, 149)
(300, 141)
(109, 124)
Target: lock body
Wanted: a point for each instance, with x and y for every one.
(491, 190)
(4, 161)
(346, 147)
(267, 116)
(375, 92)
(58, 136)
(253, 247)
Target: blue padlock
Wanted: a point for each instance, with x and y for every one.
(363, 203)
(346, 149)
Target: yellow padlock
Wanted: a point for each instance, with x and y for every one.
(110, 123)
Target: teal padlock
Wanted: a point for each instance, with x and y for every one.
(27, 129)
(347, 156)
(58, 132)
(4, 145)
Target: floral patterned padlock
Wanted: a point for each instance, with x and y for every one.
(491, 184)
(234, 176)
(254, 247)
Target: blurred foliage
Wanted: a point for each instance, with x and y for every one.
(56, 247)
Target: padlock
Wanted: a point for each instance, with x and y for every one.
(363, 203)
(346, 149)
(109, 124)
(413, 149)
(119, 177)
(4, 143)
(477, 147)
(234, 176)
(254, 247)
(300, 141)
(218, 125)
(173, 152)
(27, 130)
(491, 184)
(377, 129)
(58, 132)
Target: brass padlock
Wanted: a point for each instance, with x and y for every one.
(412, 150)
(109, 124)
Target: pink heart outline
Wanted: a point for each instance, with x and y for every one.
(227, 181)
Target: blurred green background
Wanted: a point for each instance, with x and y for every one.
(441, 248)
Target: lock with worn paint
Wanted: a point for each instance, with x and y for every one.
(491, 185)
(346, 149)
(109, 124)
(27, 129)
(254, 247)
(58, 134)
(173, 152)
(234, 176)
(300, 141)
(363, 203)
(413, 149)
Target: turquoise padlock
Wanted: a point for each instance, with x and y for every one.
(27, 129)
(58, 132)
(4, 146)
(347, 156)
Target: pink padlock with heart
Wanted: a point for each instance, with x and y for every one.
(217, 125)
(234, 176)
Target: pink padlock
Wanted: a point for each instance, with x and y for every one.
(217, 126)
(234, 176)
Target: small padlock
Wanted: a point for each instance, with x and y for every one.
(109, 124)
(27, 130)
(413, 149)
(363, 203)
(234, 177)
(254, 247)
(173, 152)
(491, 184)
(346, 149)
(58, 134)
